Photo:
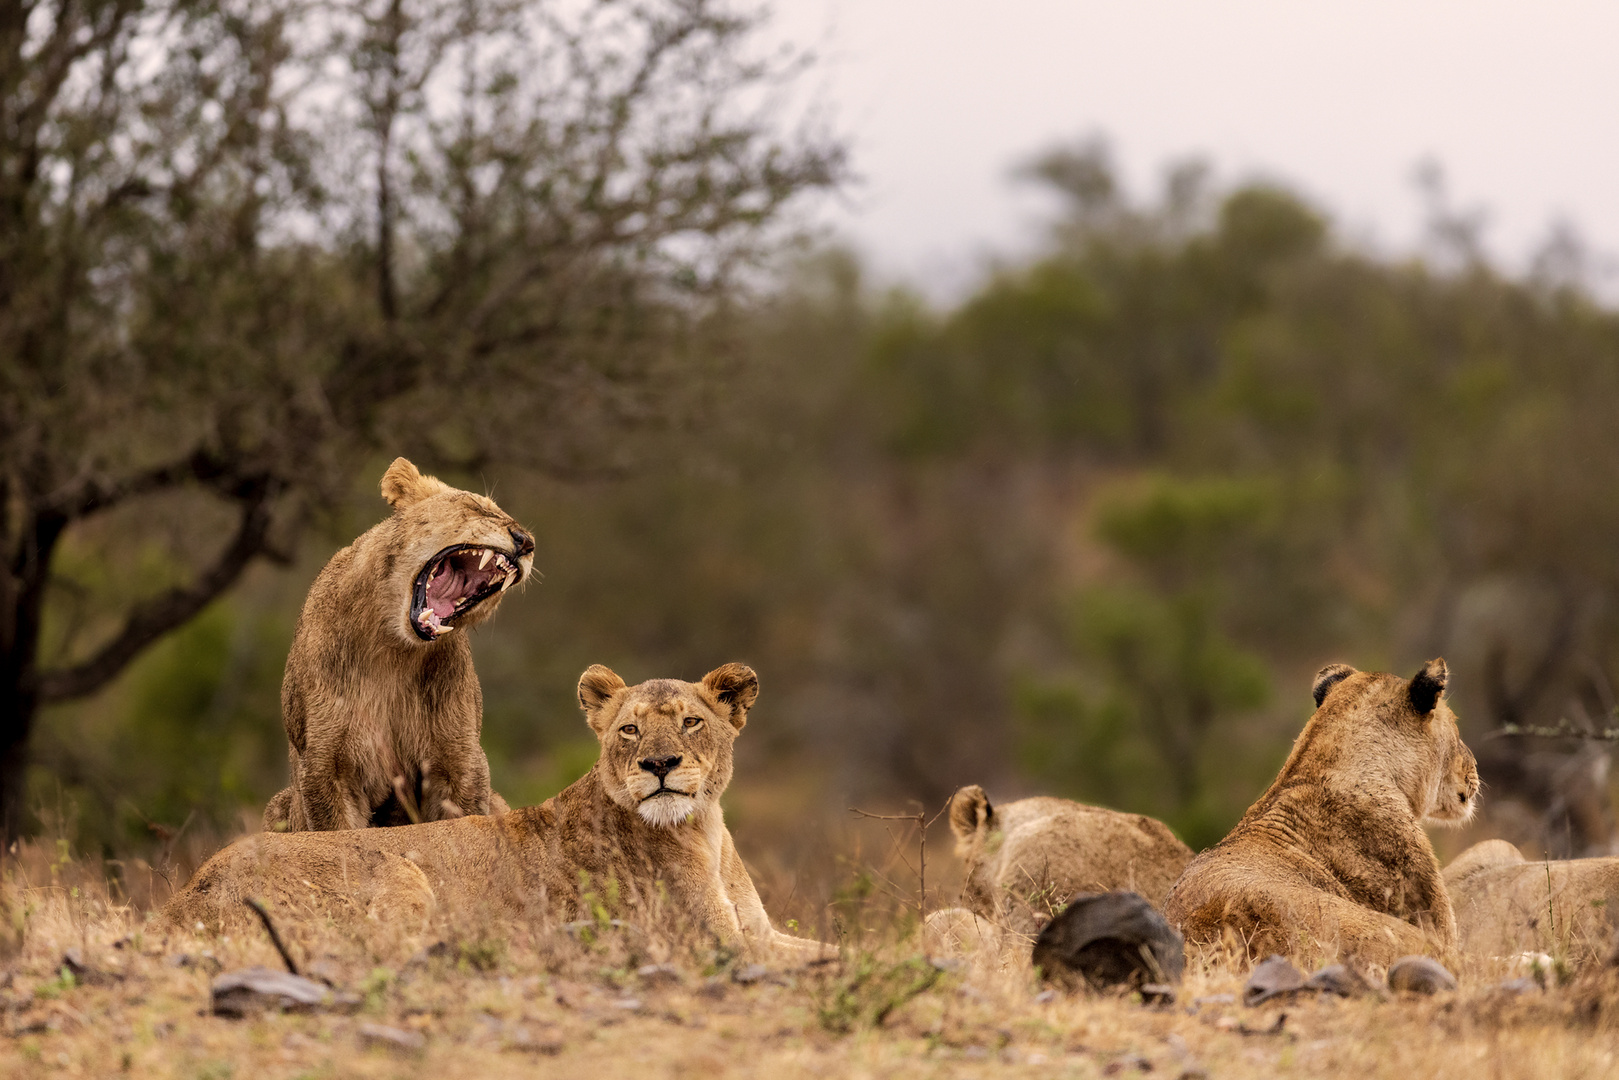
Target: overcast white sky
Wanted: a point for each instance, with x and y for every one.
(1519, 101)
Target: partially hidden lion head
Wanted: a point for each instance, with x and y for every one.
(449, 554)
(666, 744)
(1403, 729)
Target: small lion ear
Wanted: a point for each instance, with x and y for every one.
(1427, 685)
(1328, 677)
(404, 485)
(970, 811)
(596, 686)
(736, 687)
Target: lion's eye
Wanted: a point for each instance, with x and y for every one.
(629, 731)
(693, 722)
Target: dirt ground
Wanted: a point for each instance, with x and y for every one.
(93, 985)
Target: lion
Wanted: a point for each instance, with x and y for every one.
(1506, 906)
(1026, 859)
(643, 826)
(1333, 854)
(380, 700)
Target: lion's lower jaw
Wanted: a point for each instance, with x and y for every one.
(667, 811)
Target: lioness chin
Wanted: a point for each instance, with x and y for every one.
(644, 822)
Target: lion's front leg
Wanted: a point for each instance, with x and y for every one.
(331, 800)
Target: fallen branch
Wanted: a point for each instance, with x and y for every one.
(275, 939)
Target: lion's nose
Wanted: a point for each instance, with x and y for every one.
(524, 542)
(660, 766)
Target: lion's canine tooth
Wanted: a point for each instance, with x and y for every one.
(443, 628)
(511, 576)
(483, 561)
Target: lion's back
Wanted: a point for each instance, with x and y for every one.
(1053, 849)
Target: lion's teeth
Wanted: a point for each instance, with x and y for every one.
(511, 576)
(443, 628)
(484, 560)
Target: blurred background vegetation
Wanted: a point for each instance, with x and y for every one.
(1087, 532)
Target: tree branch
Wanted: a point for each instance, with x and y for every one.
(101, 493)
(156, 617)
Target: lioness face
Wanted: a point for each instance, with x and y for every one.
(666, 744)
(454, 554)
(1455, 791)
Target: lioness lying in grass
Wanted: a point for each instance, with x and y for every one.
(643, 825)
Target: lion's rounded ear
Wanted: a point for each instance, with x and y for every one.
(404, 485)
(736, 687)
(1327, 678)
(1427, 685)
(970, 811)
(596, 686)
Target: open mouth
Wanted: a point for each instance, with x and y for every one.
(455, 581)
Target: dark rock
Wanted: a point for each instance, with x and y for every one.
(1420, 975)
(255, 989)
(1110, 939)
(1340, 980)
(1273, 977)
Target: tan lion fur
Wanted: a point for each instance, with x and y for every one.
(364, 699)
(1506, 906)
(1026, 859)
(1333, 855)
(609, 834)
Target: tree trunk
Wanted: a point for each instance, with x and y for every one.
(19, 658)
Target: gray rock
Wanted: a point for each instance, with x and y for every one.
(1110, 939)
(255, 989)
(1420, 975)
(658, 974)
(1340, 980)
(1272, 977)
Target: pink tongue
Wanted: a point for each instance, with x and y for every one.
(443, 591)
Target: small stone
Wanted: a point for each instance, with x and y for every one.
(750, 974)
(1214, 999)
(1520, 985)
(526, 1041)
(1157, 994)
(628, 1004)
(391, 1037)
(1339, 979)
(1110, 939)
(1273, 977)
(1420, 975)
(1045, 997)
(658, 974)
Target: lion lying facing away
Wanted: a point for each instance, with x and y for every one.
(1334, 855)
(1506, 906)
(381, 704)
(644, 824)
(1025, 859)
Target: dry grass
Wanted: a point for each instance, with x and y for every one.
(498, 1000)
